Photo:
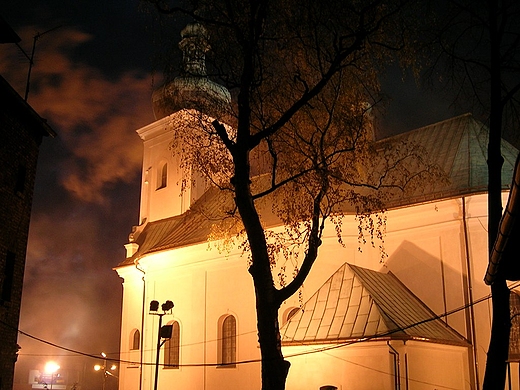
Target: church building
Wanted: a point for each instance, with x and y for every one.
(417, 319)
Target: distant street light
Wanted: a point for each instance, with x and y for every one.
(165, 332)
(51, 368)
(105, 369)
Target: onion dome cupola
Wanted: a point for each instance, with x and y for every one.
(192, 89)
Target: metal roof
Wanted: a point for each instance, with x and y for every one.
(189, 228)
(457, 145)
(357, 303)
(504, 254)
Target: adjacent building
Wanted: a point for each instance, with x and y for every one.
(21, 133)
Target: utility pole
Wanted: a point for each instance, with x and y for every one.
(164, 332)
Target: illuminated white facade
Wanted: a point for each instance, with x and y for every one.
(425, 327)
(436, 248)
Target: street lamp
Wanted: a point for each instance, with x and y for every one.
(104, 367)
(51, 368)
(165, 332)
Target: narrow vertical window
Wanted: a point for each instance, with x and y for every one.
(228, 340)
(8, 276)
(135, 340)
(19, 186)
(162, 176)
(172, 348)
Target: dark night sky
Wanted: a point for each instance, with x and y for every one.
(92, 81)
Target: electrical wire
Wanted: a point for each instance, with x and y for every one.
(314, 350)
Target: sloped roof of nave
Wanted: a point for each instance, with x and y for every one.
(457, 145)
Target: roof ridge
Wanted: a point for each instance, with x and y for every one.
(362, 312)
(422, 128)
(432, 319)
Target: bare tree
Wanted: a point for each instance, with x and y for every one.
(303, 75)
(479, 43)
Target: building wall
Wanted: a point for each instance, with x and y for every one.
(438, 250)
(182, 186)
(426, 249)
(190, 279)
(158, 203)
(19, 145)
(379, 365)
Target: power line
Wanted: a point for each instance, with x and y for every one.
(324, 349)
(315, 350)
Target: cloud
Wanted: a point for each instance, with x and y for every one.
(96, 116)
(71, 295)
(62, 243)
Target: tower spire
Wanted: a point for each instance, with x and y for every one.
(192, 89)
(194, 46)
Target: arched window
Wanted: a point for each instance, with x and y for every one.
(162, 175)
(289, 313)
(135, 340)
(228, 342)
(172, 347)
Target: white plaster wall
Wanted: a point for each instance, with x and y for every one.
(129, 372)
(165, 202)
(433, 366)
(357, 366)
(426, 251)
(371, 365)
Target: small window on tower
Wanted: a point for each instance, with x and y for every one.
(162, 176)
(135, 340)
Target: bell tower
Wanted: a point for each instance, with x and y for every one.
(162, 192)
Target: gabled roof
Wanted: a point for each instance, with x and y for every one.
(357, 303)
(457, 145)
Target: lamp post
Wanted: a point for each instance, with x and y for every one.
(51, 368)
(164, 331)
(104, 367)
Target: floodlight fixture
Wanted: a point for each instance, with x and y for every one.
(167, 306)
(154, 306)
(166, 331)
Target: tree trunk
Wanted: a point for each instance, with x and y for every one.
(496, 363)
(274, 368)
